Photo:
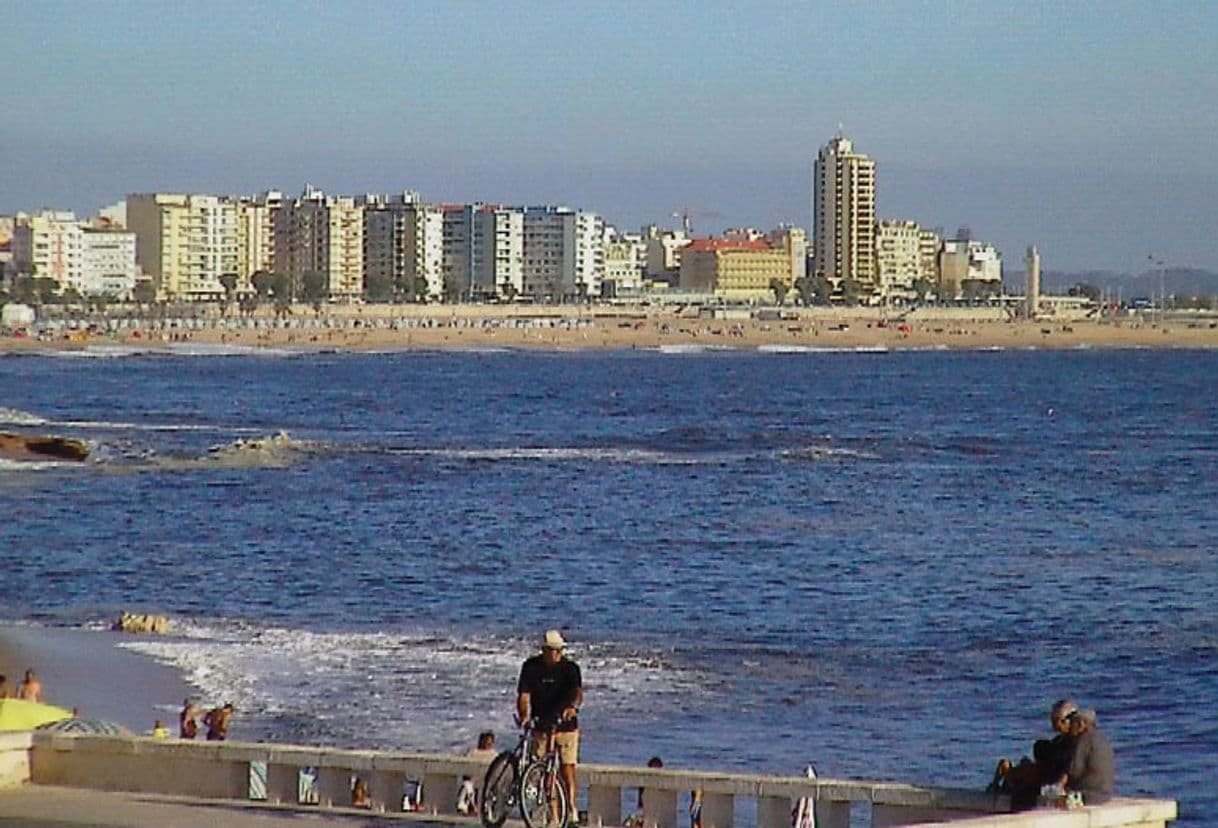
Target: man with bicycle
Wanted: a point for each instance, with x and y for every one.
(550, 691)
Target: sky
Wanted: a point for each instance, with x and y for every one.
(1088, 129)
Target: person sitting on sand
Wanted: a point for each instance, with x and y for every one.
(217, 720)
(30, 688)
(188, 727)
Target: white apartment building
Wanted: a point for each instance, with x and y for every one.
(107, 262)
(404, 246)
(184, 242)
(898, 256)
(322, 234)
(663, 252)
(625, 261)
(563, 253)
(843, 214)
(968, 265)
(93, 261)
(483, 251)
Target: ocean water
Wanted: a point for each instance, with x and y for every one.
(886, 564)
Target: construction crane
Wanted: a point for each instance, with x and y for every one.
(687, 215)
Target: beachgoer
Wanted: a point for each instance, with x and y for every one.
(653, 762)
(217, 721)
(551, 691)
(486, 746)
(30, 688)
(188, 727)
(4, 691)
(1024, 780)
(467, 797)
(1092, 769)
(359, 794)
(1053, 755)
(159, 731)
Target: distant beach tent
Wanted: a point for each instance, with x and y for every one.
(18, 714)
(92, 727)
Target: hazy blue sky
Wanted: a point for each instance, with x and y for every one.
(1090, 129)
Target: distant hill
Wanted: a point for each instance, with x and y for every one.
(1179, 281)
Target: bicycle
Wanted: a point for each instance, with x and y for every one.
(537, 788)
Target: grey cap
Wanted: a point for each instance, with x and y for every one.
(1063, 708)
(1086, 714)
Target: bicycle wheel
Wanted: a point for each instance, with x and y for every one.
(499, 790)
(543, 797)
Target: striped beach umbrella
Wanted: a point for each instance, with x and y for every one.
(18, 714)
(94, 727)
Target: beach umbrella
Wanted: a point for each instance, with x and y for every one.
(18, 714)
(93, 727)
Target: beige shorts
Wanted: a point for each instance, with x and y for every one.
(567, 745)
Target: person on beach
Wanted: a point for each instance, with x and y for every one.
(159, 731)
(188, 726)
(217, 721)
(486, 746)
(4, 692)
(1092, 768)
(551, 691)
(30, 688)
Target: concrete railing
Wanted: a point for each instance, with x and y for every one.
(15, 758)
(322, 777)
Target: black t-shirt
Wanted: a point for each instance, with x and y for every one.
(551, 688)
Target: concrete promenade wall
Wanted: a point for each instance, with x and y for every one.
(238, 771)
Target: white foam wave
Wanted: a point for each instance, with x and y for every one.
(412, 690)
(557, 454)
(7, 465)
(100, 352)
(827, 453)
(16, 416)
(689, 348)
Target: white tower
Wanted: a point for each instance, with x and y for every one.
(1032, 264)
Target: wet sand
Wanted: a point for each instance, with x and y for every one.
(86, 669)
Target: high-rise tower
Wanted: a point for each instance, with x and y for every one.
(1032, 263)
(843, 214)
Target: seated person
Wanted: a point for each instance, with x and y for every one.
(1092, 768)
(1052, 756)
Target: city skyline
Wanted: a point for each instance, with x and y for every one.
(1082, 131)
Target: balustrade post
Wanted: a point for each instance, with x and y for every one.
(604, 805)
(773, 812)
(718, 810)
(830, 814)
(385, 789)
(659, 808)
(282, 784)
(334, 787)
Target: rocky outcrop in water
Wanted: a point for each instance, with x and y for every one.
(131, 622)
(41, 447)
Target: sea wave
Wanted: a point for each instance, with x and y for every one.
(15, 416)
(394, 689)
(555, 454)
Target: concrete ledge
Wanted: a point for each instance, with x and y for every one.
(15, 758)
(221, 770)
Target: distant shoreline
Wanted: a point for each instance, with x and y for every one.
(466, 327)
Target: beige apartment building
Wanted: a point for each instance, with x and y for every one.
(843, 215)
(322, 234)
(91, 260)
(184, 243)
(741, 269)
(256, 236)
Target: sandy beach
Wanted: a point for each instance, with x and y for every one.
(87, 670)
(472, 327)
